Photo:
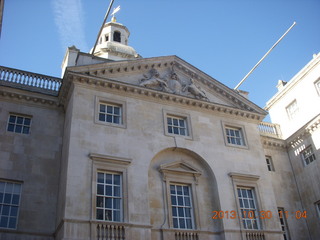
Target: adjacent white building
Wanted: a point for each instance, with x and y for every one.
(125, 147)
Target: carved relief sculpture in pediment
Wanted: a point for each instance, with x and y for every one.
(171, 83)
(195, 90)
(154, 81)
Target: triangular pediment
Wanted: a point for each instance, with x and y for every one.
(179, 167)
(170, 75)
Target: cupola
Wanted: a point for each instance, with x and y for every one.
(113, 42)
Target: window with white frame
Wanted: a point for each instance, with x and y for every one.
(308, 155)
(248, 208)
(10, 194)
(19, 123)
(181, 204)
(292, 109)
(234, 136)
(270, 165)
(109, 197)
(177, 125)
(283, 222)
(110, 113)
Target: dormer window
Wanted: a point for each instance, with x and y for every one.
(117, 36)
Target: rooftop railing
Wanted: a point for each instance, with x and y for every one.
(29, 81)
(270, 129)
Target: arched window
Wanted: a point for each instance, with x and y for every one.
(117, 36)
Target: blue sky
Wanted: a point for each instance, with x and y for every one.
(223, 38)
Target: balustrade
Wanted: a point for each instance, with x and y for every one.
(110, 232)
(255, 236)
(28, 80)
(270, 129)
(186, 236)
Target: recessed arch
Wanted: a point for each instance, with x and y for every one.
(181, 166)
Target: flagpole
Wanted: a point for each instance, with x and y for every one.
(104, 20)
(274, 45)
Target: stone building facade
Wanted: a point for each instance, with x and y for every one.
(125, 147)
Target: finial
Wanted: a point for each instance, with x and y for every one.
(117, 9)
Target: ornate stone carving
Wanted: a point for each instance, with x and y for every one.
(154, 81)
(195, 90)
(171, 83)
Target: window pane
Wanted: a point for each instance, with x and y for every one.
(175, 122)
(12, 119)
(18, 129)
(109, 178)
(102, 108)
(100, 178)
(15, 199)
(182, 223)
(99, 214)
(14, 211)
(108, 191)
(109, 109)
(116, 190)
(99, 201)
(172, 189)
(7, 198)
(116, 119)
(117, 179)
(175, 130)
(100, 189)
(116, 216)
(173, 200)
(169, 121)
(116, 110)
(116, 203)
(102, 117)
(175, 223)
(108, 202)
(109, 118)
(20, 120)
(10, 127)
(169, 129)
(4, 222)
(182, 132)
(189, 224)
(181, 123)
(25, 130)
(27, 121)
(180, 212)
(174, 211)
(108, 215)
(12, 223)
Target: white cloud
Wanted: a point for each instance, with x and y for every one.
(68, 15)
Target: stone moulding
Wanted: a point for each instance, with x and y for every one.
(146, 92)
(104, 70)
(21, 95)
(109, 159)
(243, 176)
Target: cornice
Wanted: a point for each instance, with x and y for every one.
(28, 96)
(107, 70)
(127, 88)
(270, 142)
(294, 81)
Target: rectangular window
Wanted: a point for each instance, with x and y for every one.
(284, 226)
(308, 155)
(109, 197)
(110, 113)
(248, 208)
(270, 164)
(19, 124)
(10, 193)
(234, 136)
(177, 125)
(181, 205)
(292, 109)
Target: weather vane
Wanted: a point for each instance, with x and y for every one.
(115, 10)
